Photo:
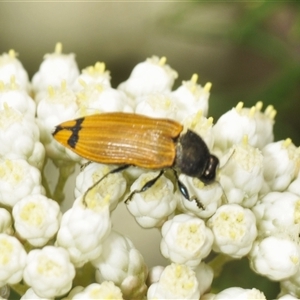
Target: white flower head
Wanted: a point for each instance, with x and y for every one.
(275, 257)
(191, 97)
(12, 260)
(18, 179)
(83, 228)
(153, 206)
(281, 164)
(210, 197)
(19, 137)
(176, 282)
(186, 240)
(151, 76)
(12, 96)
(238, 122)
(122, 264)
(55, 68)
(111, 188)
(234, 230)
(49, 271)
(105, 290)
(36, 219)
(242, 175)
(96, 98)
(157, 105)
(93, 74)
(10, 66)
(238, 293)
(5, 221)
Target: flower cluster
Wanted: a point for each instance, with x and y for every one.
(251, 210)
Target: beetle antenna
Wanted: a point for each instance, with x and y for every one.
(119, 169)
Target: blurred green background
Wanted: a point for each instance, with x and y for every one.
(250, 51)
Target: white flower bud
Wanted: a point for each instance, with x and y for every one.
(294, 187)
(191, 97)
(275, 257)
(210, 196)
(176, 282)
(36, 219)
(151, 76)
(16, 98)
(291, 285)
(10, 67)
(12, 260)
(5, 221)
(238, 293)
(157, 105)
(154, 274)
(31, 295)
(242, 176)
(17, 180)
(105, 290)
(234, 229)
(97, 98)
(83, 228)
(278, 213)
(287, 297)
(122, 264)
(186, 240)
(238, 122)
(205, 275)
(49, 271)
(19, 137)
(93, 74)
(111, 188)
(153, 206)
(55, 68)
(281, 164)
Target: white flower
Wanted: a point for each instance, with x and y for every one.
(153, 206)
(154, 274)
(176, 282)
(281, 164)
(287, 297)
(105, 290)
(83, 229)
(19, 137)
(186, 240)
(294, 187)
(234, 230)
(151, 76)
(191, 97)
(111, 188)
(122, 264)
(49, 271)
(5, 221)
(96, 98)
(55, 68)
(205, 276)
(275, 257)
(278, 212)
(12, 260)
(210, 196)
(156, 105)
(31, 295)
(14, 97)
(93, 74)
(242, 175)
(291, 285)
(36, 219)
(237, 293)
(238, 122)
(17, 180)
(10, 67)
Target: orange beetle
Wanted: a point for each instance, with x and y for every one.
(135, 140)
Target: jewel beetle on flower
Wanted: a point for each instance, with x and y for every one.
(128, 139)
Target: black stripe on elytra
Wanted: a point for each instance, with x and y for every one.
(72, 141)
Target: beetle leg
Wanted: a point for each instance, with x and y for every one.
(119, 169)
(145, 187)
(184, 191)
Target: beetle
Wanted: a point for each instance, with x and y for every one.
(129, 139)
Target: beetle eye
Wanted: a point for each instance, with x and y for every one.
(209, 174)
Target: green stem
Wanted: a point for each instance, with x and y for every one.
(19, 288)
